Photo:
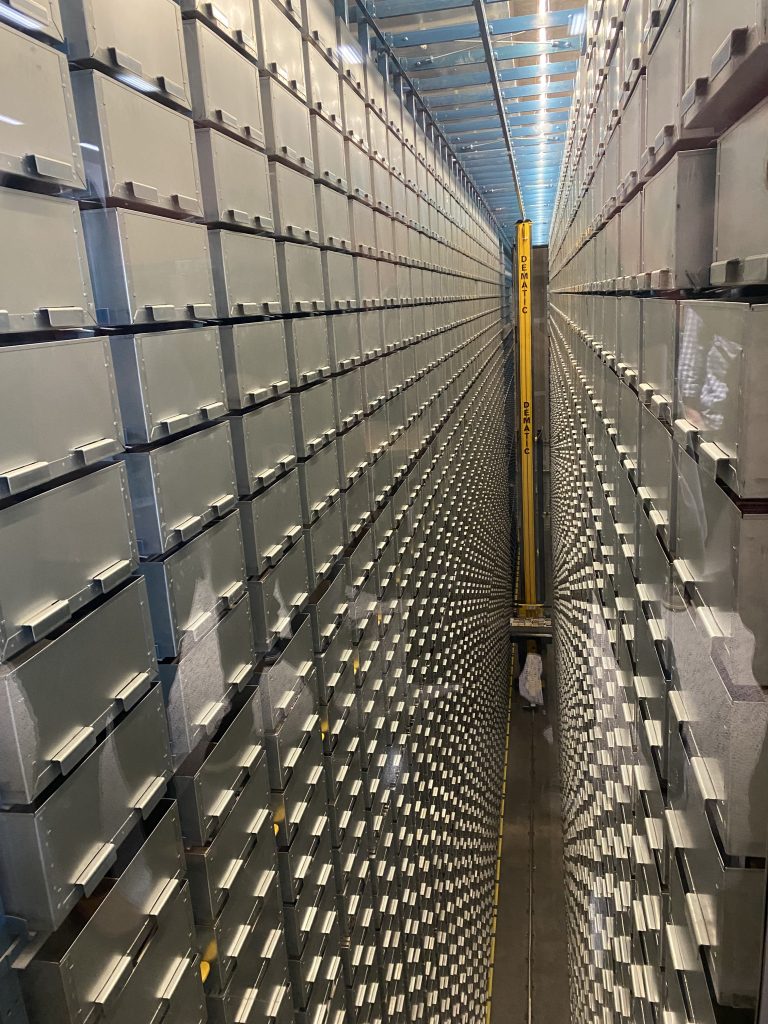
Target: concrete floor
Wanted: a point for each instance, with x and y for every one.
(530, 978)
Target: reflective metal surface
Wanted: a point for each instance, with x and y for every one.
(255, 539)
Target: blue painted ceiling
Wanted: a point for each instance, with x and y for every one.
(474, 62)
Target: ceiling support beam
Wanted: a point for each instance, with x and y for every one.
(485, 35)
(458, 81)
(468, 30)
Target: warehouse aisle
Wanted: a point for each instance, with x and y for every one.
(531, 959)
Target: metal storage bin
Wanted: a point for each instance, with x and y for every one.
(255, 362)
(278, 597)
(628, 428)
(93, 968)
(720, 558)
(244, 274)
(301, 278)
(629, 328)
(328, 154)
(60, 550)
(367, 274)
(308, 355)
(677, 224)
(286, 685)
(363, 230)
(149, 988)
(293, 196)
(376, 87)
(318, 482)
(398, 204)
(388, 284)
(319, 23)
(323, 85)
(157, 170)
(234, 19)
(371, 335)
(731, 941)
(394, 369)
(40, 141)
(179, 488)
(147, 269)
(325, 544)
(327, 613)
(657, 354)
(348, 397)
(45, 280)
(334, 662)
(382, 187)
(344, 342)
(192, 587)
(652, 566)
(355, 120)
(313, 418)
(621, 253)
(719, 704)
(209, 782)
(264, 445)
(381, 472)
(359, 175)
(261, 983)
(352, 449)
(385, 236)
(282, 48)
(665, 84)
(377, 138)
(741, 241)
(247, 915)
(235, 182)
(310, 919)
(632, 139)
(118, 41)
(656, 472)
(214, 869)
(333, 214)
(200, 686)
(339, 280)
(54, 856)
(168, 382)
(718, 390)
(294, 752)
(374, 384)
(111, 654)
(224, 85)
(35, 380)
(356, 508)
(407, 320)
(271, 524)
(725, 54)
(236, 872)
(392, 331)
(298, 808)
(286, 126)
(44, 18)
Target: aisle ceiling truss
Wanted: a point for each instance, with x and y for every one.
(498, 78)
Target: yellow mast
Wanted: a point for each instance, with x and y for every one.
(530, 606)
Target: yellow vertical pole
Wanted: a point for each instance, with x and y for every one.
(525, 340)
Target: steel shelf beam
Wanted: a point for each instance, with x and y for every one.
(511, 51)
(498, 27)
(565, 67)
